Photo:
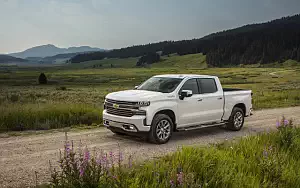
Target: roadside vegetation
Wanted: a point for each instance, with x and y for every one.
(74, 93)
(266, 160)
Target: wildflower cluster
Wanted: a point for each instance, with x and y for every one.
(82, 169)
(284, 123)
(286, 129)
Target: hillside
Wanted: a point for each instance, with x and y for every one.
(62, 58)
(274, 41)
(10, 59)
(51, 50)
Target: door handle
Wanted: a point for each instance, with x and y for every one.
(200, 99)
(220, 98)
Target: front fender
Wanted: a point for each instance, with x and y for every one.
(155, 107)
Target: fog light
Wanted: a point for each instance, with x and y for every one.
(106, 123)
(129, 127)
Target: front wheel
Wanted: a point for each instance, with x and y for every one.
(161, 129)
(236, 120)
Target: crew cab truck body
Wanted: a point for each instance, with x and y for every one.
(167, 103)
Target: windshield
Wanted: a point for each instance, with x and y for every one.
(160, 84)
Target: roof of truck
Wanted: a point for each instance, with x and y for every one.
(185, 76)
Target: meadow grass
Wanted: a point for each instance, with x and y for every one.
(85, 86)
(20, 117)
(266, 160)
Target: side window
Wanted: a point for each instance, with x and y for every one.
(207, 85)
(191, 85)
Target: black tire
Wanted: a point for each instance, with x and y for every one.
(236, 120)
(157, 122)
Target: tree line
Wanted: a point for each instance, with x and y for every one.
(277, 40)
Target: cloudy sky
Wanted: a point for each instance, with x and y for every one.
(119, 23)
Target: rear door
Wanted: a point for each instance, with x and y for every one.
(211, 100)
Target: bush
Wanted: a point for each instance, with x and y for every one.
(43, 79)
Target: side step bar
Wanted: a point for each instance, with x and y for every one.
(201, 126)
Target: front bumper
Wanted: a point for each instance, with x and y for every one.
(251, 112)
(127, 124)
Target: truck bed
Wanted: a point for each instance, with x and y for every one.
(233, 96)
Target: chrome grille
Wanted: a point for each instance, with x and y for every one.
(119, 111)
(122, 104)
(124, 108)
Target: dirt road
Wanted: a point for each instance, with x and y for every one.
(21, 156)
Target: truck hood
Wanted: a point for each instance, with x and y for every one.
(135, 95)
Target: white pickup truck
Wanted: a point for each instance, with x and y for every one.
(167, 103)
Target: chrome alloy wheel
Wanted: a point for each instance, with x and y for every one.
(238, 120)
(163, 129)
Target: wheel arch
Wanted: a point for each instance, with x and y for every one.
(169, 113)
(241, 106)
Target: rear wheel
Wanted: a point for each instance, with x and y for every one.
(236, 120)
(161, 129)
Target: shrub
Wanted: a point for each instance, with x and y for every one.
(43, 79)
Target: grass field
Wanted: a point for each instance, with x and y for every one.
(75, 92)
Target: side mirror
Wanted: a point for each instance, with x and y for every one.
(185, 93)
(135, 87)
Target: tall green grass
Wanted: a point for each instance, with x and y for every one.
(267, 160)
(46, 116)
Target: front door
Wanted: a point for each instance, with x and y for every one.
(190, 108)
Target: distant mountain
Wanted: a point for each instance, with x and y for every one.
(51, 50)
(10, 59)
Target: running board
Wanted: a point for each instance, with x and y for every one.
(200, 126)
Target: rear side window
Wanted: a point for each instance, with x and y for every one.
(207, 85)
(191, 85)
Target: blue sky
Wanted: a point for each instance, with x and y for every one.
(120, 23)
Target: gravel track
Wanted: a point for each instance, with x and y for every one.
(22, 156)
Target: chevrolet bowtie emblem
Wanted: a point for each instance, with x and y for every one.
(115, 105)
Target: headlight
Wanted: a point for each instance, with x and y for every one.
(140, 112)
(144, 103)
